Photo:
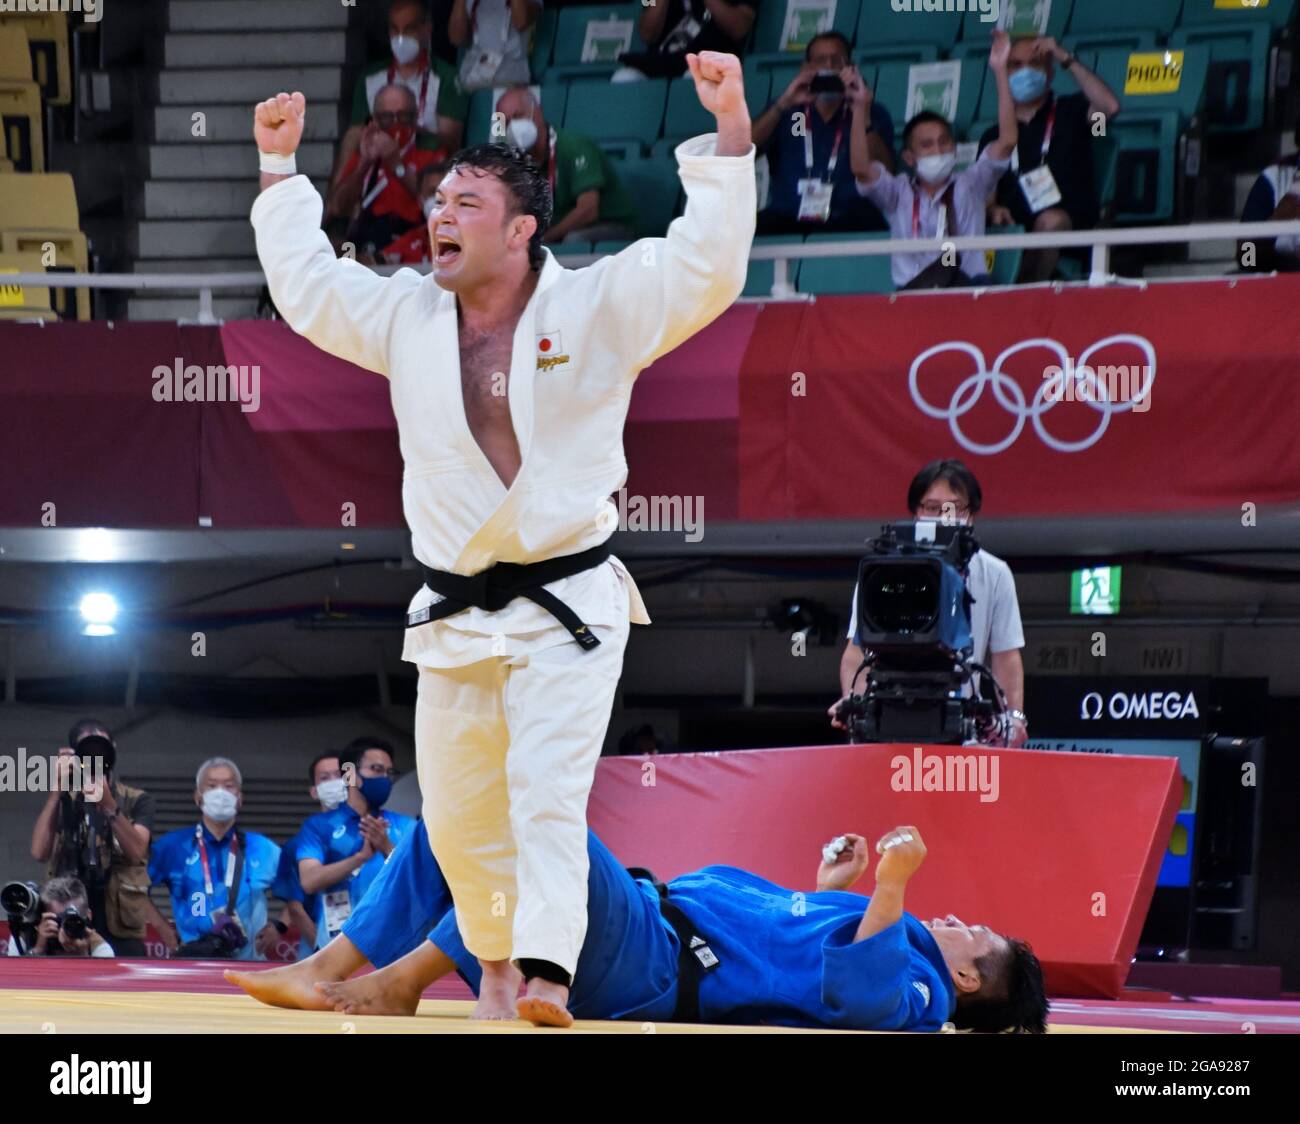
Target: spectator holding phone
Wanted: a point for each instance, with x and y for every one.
(807, 135)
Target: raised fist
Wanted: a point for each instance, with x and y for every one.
(718, 81)
(278, 123)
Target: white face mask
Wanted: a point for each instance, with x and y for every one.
(936, 169)
(332, 793)
(219, 805)
(404, 48)
(427, 206)
(523, 132)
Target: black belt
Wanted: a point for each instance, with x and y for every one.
(695, 959)
(498, 585)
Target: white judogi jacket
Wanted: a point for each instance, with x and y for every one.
(582, 339)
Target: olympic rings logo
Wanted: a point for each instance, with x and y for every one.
(1011, 398)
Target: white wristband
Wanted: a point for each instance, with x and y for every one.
(278, 165)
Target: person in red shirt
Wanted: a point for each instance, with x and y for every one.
(376, 189)
(412, 248)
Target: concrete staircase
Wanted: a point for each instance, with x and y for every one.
(219, 58)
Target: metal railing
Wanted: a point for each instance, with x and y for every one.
(1099, 242)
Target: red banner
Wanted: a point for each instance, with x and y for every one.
(1172, 398)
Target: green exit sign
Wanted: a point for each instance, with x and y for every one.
(1095, 591)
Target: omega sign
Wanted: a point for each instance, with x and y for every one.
(1171, 705)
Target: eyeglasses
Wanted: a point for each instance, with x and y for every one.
(380, 771)
(931, 507)
(397, 117)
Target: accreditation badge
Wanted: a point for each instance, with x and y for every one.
(338, 908)
(1039, 187)
(815, 200)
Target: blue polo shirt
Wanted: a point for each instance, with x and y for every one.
(330, 837)
(175, 861)
(787, 159)
(288, 888)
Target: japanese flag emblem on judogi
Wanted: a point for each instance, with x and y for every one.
(548, 343)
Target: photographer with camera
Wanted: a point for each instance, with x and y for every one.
(947, 491)
(58, 923)
(218, 877)
(807, 134)
(97, 829)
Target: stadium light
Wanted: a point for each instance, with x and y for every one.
(99, 610)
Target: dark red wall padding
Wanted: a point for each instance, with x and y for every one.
(1066, 857)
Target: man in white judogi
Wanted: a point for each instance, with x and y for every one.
(510, 379)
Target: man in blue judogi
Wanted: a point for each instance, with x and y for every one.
(727, 947)
(340, 853)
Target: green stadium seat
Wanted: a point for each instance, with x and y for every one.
(653, 186)
(758, 84)
(879, 24)
(1236, 85)
(758, 280)
(895, 52)
(571, 36)
(1005, 266)
(1105, 161)
(1113, 68)
(830, 276)
(1146, 168)
(1277, 13)
(619, 149)
(1120, 15)
(975, 31)
(1128, 39)
(555, 99)
(610, 246)
(570, 250)
(771, 21)
(479, 122)
(622, 111)
(891, 91)
(685, 116)
(539, 57)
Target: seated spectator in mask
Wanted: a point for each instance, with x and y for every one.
(938, 203)
(674, 27)
(1275, 197)
(590, 204)
(807, 138)
(441, 104)
(377, 188)
(1050, 186)
(218, 876)
(341, 852)
(63, 928)
(496, 37)
(413, 248)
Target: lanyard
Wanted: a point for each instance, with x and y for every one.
(942, 227)
(230, 863)
(835, 149)
(424, 90)
(379, 176)
(550, 164)
(1047, 139)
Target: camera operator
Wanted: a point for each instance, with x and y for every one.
(947, 491)
(218, 877)
(100, 835)
(64, 928)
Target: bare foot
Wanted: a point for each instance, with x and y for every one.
(543, 1004)
(379, 993)
(290, 986)
(497, 990)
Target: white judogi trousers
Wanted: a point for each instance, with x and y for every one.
(506, 751)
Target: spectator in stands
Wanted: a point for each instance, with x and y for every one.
(640, 741)
(378, 187)
(341, 852)
(590, 202)
(204, 865)
(496, 36)
(938, 203)
(947, 491)
(100, 835)
(1050, 186)
(329, 790)
(803, 135)
(674, 27)
(64, 928)
(441, 104)
(1275, 197)
(413, 248)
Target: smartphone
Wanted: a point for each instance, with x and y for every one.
(826, 82)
